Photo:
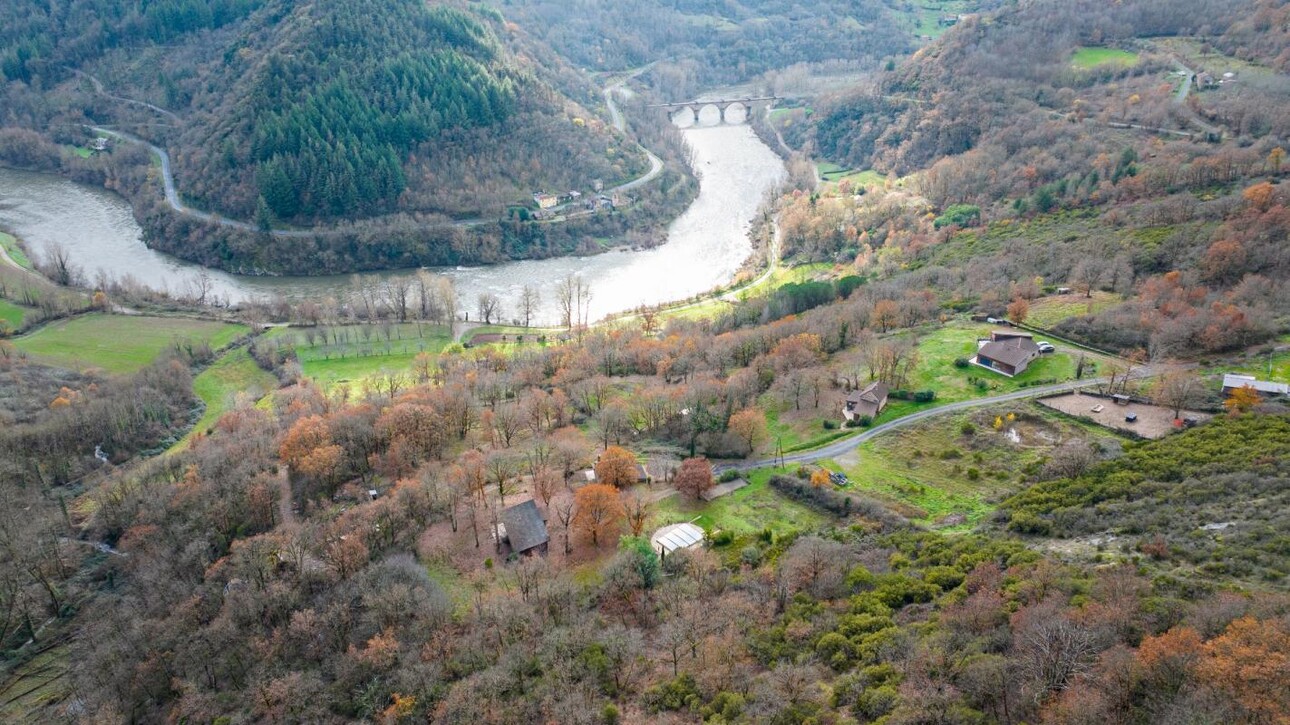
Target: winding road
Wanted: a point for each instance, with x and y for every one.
(177, 204)
(846, 445)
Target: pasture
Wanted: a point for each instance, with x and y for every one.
(120, 343)
(1088, 58)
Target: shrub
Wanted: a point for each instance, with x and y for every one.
(924, 396)
(723, 538)
(830, 424)
(864, 421)
(961, 362)
(830, 500)
(967, 428)
(945, 577)
(725, 707)
(673, 694)
(973, 474)
(728, 476)
(961, 215)
(847, 285)
(1025, 523)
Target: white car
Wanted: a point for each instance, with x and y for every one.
(1045, 347)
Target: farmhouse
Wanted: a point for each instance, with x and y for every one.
(546, 201)
(524, 529)
(867, 401)
(1008, 353)
(1265, 389)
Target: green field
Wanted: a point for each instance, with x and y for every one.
(354, 353)
(746, 511)
(1086, 58)
(1273, 366)
(938, 347)
(220, 384)
(924, 18)
(1047, 312)
(863, 177)
(1199, 54)
(120, 343)
(11, 315)
(33, 688)
(15, 251)
(934, 470)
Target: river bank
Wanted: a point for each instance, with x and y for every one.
(704, 249)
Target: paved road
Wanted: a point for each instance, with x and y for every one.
(846, 445)
(620, 123)
(1180, 99)
(177, 204)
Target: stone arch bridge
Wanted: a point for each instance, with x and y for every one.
(691, 109)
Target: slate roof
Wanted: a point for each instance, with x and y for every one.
(1014, 351)
(524, 526)
(874, 393)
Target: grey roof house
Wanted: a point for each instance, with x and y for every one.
(524, 528)
(869, 400)
(1006, 354)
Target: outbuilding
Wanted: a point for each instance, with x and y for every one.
(676, 536)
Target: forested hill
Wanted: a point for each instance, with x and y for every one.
(329, 101)
(703, 43)
(310, 112)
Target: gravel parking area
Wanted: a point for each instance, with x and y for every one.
(1153, 421)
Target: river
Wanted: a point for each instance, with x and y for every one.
(705, 246)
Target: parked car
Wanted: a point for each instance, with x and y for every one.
(838, 479)
(1045, 347)
(1131, 418)
(993, 320)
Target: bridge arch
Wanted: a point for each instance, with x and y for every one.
(687, 114)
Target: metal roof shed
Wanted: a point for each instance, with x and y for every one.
(677, 536)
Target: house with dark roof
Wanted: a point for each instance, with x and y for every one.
(867, 401)
(524, 529)
(1007, 353)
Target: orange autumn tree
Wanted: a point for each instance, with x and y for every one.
(308, 448)
(750, 425)
(1166, 661)
(1248, 663)
(597, 511)
(1019, 310)
(616, 467)
(1241, 400)
(1260, 195)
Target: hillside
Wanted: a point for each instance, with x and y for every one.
(698, 44)
(810, 498)
(1096, 165)
(1184, 501)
